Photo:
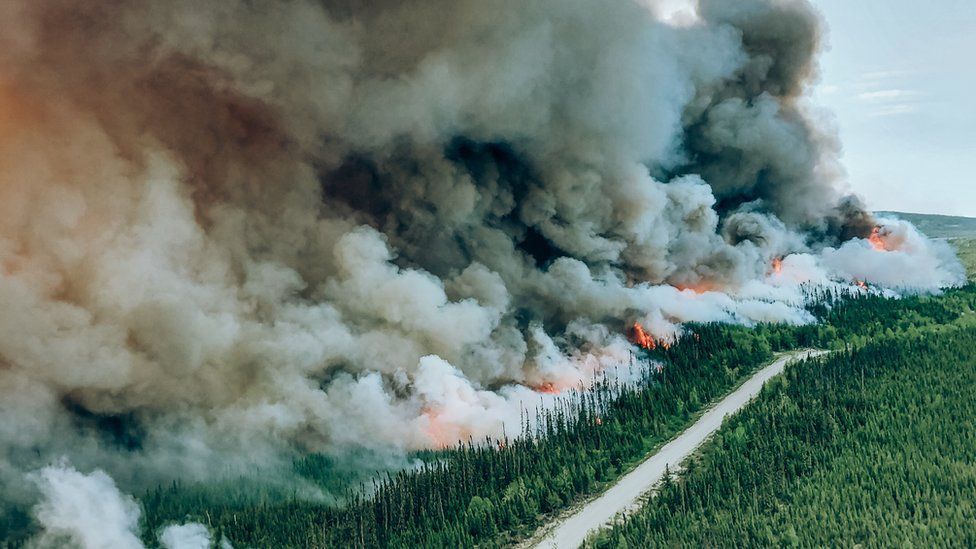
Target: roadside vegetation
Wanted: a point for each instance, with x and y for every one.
(871, 447)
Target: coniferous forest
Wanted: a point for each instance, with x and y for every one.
(869, 447)
(490, 493)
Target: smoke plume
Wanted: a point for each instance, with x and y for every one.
(89, 512)
(236, 231)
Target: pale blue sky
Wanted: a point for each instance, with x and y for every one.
(900, 77)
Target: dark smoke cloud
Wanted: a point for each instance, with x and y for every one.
(235, 230)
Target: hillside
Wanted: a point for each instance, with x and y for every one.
(960, 231)
(938, 226)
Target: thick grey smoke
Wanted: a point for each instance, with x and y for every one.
(232, 231)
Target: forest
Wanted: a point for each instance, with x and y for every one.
(492, 493)
(486, 492)
(871, 446)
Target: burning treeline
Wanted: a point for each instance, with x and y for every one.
(640, 337)
(234, 231)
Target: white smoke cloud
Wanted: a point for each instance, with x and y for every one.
(88, 511)
(900, 257)
(84, 511)
(186, 536)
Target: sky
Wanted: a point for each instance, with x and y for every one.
(897, 80)
(899, 77)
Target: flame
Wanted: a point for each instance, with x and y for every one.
(777, 265)
(876, 241)
(861, 284)
(599, 420)
(548, 388)
(640, 337)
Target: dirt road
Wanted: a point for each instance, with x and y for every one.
(570, 532)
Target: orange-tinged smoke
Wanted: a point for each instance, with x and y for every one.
(699, 288)
(440, 433)
(876, 241)
(777, 265)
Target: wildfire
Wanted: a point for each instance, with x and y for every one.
(640, 337)
(876, 241)
(861, 284)
(700, 288)
(440, 434)
(548, 388)
(778, 265)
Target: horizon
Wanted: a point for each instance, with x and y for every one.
(922, 213)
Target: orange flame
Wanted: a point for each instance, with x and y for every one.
(640, 337)
(548, 388)
(876, 241)
(861, 284)
(599, 420)
(778, 265)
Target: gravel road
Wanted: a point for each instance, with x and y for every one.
(570, 532)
